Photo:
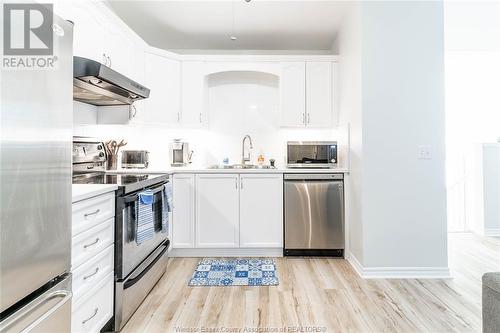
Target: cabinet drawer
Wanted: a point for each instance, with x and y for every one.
(92, 311)
(90, 212)
(92, 271)
(89, 243)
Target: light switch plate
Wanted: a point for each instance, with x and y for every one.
(424, 152)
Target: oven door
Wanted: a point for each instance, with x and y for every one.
(129, 254)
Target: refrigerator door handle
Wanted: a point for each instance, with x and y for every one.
(64, 295)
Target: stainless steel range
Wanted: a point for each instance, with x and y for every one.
(138, 265)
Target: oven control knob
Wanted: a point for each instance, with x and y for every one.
(101, 154)
(99, 147)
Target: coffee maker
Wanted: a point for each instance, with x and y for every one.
(179, 153)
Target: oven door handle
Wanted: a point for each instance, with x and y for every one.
(134, 197)
(133, 281)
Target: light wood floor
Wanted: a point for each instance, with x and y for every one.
(327, 294)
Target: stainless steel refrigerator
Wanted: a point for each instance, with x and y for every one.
(35, 193)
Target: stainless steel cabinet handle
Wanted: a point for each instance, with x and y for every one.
(92, 274)
(132, 111)
(109, 61)
(200, 117)
(308, 118)
(236, 182)
(92, 316)
(91, 244)
(241, 183)
(104, 59)
(90, 214)
(304, 118)
(178, 117)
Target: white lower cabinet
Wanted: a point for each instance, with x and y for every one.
(228, 211)
(88, 244)
(89, 273)
(183, 227)
(92, 311)
(261, 210)
(217, 213)
(92, 263)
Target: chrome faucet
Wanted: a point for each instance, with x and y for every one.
(244, 158)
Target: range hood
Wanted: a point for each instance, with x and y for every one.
(96, 84)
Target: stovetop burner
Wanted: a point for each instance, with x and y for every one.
(126, 183)
(117, 179)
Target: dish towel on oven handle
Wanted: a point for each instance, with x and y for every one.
(145, 228)
(166, 206)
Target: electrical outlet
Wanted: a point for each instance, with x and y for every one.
(424, 152)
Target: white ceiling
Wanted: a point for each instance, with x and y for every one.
(259, 24)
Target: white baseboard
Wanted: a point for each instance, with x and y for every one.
(492, 232)
(247, 252)
(398, 272)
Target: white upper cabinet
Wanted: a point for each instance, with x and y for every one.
(162, 77)
(97, 36)
(307, 94)
(183, 222)
(89, 34)
(119, 53)
(194, 94)
(319, 94)
(261, 213)
(293, 94)
(217, 213)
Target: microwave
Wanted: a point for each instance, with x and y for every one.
(135, 159)
(311, 154)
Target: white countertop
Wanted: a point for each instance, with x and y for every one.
(198, 169)
(85, 191)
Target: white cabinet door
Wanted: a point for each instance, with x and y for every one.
(119, 51)
(89, 35)
(319, 94)
(183, 221)
(217, 211)
(162, 77)
(194, 93)
(293, 94)
(261, 210)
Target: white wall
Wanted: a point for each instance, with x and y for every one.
(402, 223)
(403, 107)
(348, 42)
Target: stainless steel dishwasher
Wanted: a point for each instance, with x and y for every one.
(314, 214)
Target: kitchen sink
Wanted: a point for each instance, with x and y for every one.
(240, 166)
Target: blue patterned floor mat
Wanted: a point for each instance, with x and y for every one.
(235, 272)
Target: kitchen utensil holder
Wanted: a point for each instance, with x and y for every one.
(112, 162)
